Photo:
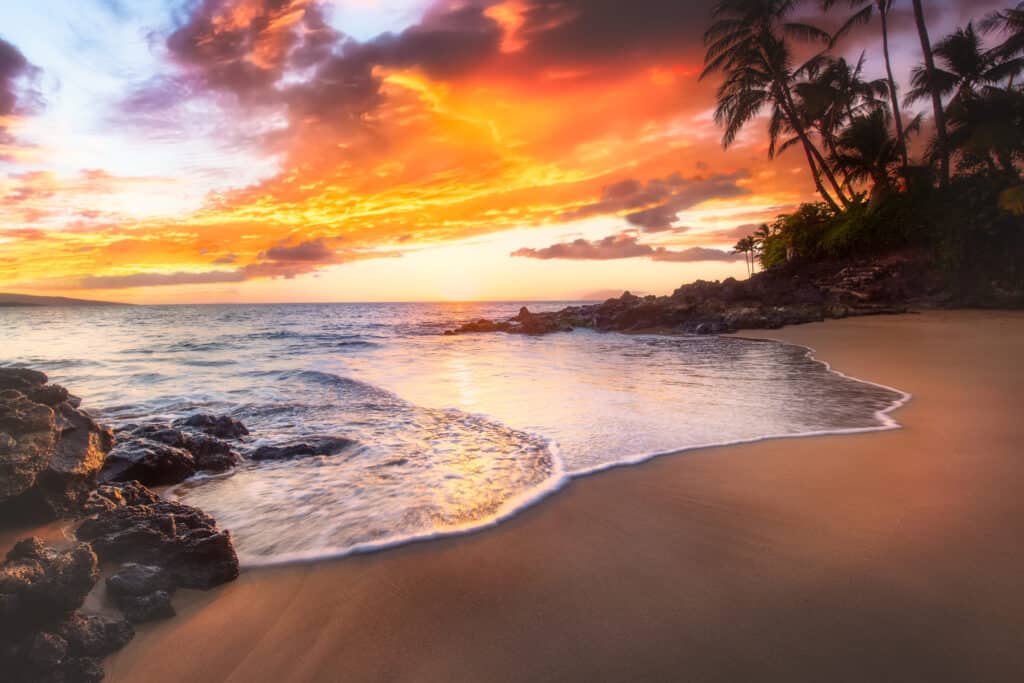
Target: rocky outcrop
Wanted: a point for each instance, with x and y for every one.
(50, 450)
(768, 300)
(325, 445)
(159, 455)
(182, 540)
(221, 426)
(42, 636)
(143, 592)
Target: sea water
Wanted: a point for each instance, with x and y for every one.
(452, 433)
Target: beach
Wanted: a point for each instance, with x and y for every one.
(892, 555)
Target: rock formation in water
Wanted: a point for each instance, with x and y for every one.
(160, 455)
(50, 449)
(324, 445)
(52, 455)
(772, 299)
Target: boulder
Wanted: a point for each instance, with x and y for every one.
(208, 453)
(221, 426)
(42, 636)
(149, 462)
(50, 450)
(325, 445)
(40, 586)
(139, 579)
(181, 539)
(118, 494)
(139, 609)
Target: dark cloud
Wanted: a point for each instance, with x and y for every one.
(589, 31)
(655, 205)
(621, 246)
(14, 69)
(226, 260)
(313, 251)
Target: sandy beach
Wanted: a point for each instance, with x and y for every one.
(894, 556)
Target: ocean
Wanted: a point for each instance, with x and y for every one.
(454, 433)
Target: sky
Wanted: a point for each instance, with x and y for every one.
(177, 151)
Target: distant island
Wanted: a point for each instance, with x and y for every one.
(29, 300)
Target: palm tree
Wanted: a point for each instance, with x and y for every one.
(941, 137)
(1011, 21)
(835, 94)
(746, 247)
(864, 9)
(989, 129)
(867, 151)
(748, 43)
(968, 68)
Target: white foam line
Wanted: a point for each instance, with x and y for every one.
(560, 478)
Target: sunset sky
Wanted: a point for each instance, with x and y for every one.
(368, 150)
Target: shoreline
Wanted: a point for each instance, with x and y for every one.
(270, 600)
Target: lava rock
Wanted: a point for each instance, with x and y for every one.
(150, 462)
(181, 539)
(50, 450)
(222, 426)
(93, 635)
(142, 608)
(139, 579)
(118, 494)
(327, 445)
(39, 585)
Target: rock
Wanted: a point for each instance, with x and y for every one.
(94, 635)
(181, 539)
(208, 453)
(21, 379)
(139, 579)
(47, 650)
(49, 395)
(149, 462)
(222, 426)
(327, 445)
(50, 451)
(118, 494)
(142, 608)
(42, 636)
(40, 586)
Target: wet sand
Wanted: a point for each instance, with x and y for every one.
(893, 556)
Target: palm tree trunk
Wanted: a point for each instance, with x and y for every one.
(883, 7)
(942, 140)
(817, 162)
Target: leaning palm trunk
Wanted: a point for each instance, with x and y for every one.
(942, 137)
(893, 96)
(819, 167)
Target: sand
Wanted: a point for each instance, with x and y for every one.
(895, 556)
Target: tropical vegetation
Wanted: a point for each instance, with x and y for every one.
(936, 169)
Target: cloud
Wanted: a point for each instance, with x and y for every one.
(14, 98)
(160, 279)
(621, 246)
(313, 251)
(655, 205)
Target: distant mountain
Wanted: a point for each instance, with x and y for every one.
(28, 300)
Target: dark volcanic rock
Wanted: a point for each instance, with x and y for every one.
(327, 445)
(208, 453)
(150, 462)
(222, 426)
(181, 539)
(50, 451)
(42, 637)
(789, 295)
(139, 579)
(118, 494)
(39, 586)
(142, 608)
